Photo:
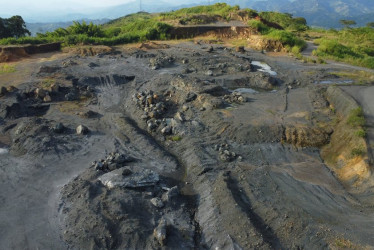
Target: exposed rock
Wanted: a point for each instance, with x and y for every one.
(137, 179)
(160, 232)
(82, 130)
(157, 202)
(48, 69)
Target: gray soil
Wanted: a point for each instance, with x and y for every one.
(172, 157)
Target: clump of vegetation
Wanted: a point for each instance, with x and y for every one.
(356, 152)
(287, 21)
(288, 39)
(6, 68)
(356, 118)
(175, 138)
(361, 133)
(221, 9)
(350, 45)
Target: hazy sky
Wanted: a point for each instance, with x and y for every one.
(39, 5)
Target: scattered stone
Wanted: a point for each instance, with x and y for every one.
(82, 130)
(191, 97)
(224, 153)
(157, 202)
(47, 98)
(166, 130)
(170, 194)
(240, 49)
(210, 49)
(180, 116)
(93, 65)
(160, 62)
(185, 61)
(185, 108)
(160, 232)
(40, 93)
(126, 172)
(55, 88)
(209, 73)
(88, 114)
(235, 97)
(3, 91)
(72, 96)
(58, 128)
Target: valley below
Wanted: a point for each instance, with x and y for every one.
(183, 145)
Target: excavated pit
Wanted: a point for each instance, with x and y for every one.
(152, 149)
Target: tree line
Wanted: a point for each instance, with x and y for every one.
(14, 26)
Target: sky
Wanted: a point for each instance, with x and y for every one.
(9, 6)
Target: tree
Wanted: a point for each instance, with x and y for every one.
(13, 27)
(371, 24)
(347, 23)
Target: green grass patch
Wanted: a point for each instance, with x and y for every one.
(6, 68)
(288, 39)
(175, 138)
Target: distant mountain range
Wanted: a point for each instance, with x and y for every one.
(323, 13)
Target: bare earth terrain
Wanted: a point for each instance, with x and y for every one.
(180, 146)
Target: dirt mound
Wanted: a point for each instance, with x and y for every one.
(89, 50)
(306, 136)
(153, 45)
(12, 53)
